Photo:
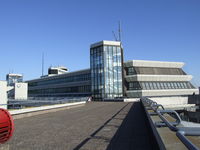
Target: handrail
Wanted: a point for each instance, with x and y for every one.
(38, 103)
(181, 132)
(169, 124)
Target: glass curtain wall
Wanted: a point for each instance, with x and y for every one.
(106, 71)
(97, 71)
(154, 71)
(147, 85)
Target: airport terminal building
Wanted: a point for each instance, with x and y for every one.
(110, 77)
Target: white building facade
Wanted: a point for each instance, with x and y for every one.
(157, 79)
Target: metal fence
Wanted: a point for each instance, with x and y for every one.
(181, 132)
(41, 101)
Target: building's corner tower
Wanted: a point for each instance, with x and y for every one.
(13, 78)
(106, 59)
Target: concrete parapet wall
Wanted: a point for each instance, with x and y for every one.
(171, 101)
(168, 102)
(166, 92)
(41, 110)
(145, 63)
(131, 99)
(165, 78)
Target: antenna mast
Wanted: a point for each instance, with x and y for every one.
(42, 63)
(120, 31)
(114, 36)
(119, 38)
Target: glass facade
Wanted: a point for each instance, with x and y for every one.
(105, 78)
(154, 71)
(106, 71)
(69, 84)
(12, 79)
(84, 90)
(159, 85)
(60, 79)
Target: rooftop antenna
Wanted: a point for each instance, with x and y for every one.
(114, 36)
(119, 30)
(119, 33)
(42, 63)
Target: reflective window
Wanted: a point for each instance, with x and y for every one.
(107, 63)
(185, 85)
(134, 86)
(155, 71)
(147, 85)
(143, 86)
(151, 85)
(172, 85)
(162, 85)
(63, 91)
(131, 71)
(61, 79)
(159, 85)
(155, 85)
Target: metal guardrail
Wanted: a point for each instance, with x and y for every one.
(181, 132)
(19, 104)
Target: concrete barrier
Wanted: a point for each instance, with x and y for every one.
(27, 112)
(131, 99)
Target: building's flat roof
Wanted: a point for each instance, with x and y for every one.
(57, 76)
(148, 63)
(14, 74)
(68, 132)
(104, 42)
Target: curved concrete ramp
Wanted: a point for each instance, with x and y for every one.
(95, 126)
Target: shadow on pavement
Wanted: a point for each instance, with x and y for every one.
(133, 133)
(94, 134)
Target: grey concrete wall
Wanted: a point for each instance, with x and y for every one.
(21, 91)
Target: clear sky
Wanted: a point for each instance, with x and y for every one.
(165, 30)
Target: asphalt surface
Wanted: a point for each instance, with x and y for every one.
(95, 126)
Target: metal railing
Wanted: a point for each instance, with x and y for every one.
(37, 102)
(181, 132)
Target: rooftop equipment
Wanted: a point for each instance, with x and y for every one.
(6, 126)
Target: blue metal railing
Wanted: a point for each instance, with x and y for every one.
(19, 104)
(181, 132)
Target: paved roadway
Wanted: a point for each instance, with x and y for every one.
(95, 126)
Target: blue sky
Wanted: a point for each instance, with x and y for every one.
(165, 30)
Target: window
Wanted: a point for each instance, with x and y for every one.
(161, 85)
(178, 84)
(172, 85)
(155, 85)
(143, 86)
(151, 85)
(175, 85)
(131, 71)
(169, 85)
(134, 86)
(159, 71)
(189, 85)
(147, 86)
(185, 85)
(107, 71)
(165, 85)
(158, 85)
(182, 86)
